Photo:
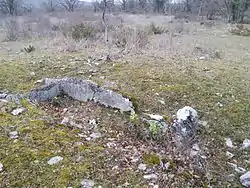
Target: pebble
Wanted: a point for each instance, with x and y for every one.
(95, 135)
(246, 143)
(195, 150)
(150, 176)
(87, 183)
(92, 122)
(245, 179)
(13, 134)
(18, 111)
(55, 160)
(237, 168)
(1, 167)
(142, 167)
(229, 155)
(32, 74)
(65, 121)
(229, 142)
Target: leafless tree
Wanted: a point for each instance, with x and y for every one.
(50, 5)
(69, 5)
(104, 20)
(9, 6)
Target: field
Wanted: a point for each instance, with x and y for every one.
(162, 63)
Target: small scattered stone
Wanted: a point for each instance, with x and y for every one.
(96, 135)
(245, 179)
(55, 160)
(65, 121)
(92, 122)
(32, 74)
(237, 168)
(13, 134)
(38, 81)
(1, 167)
(150, 176)
(87, 183)
(229, 142)
(155, 117)
(111, 144)
(246, 143)
(88, 138)
(142, 167)
(162, 102)
(229, 155)
(204, 124)
(18, 111)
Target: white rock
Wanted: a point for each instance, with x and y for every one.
(246, 143)
(195, 150)
(245, 179)
(202, 58)
(162, 102)
(92, 122)
(87, 183)
(237, 168)
(39, 81)
(150, 176)
(142, 167)
(18, 111)
(88, 138)
(13, 134)
(32, 74)
(96, 135)
(1, 167)
(156, 186)
(184, 113)
(55, 160)
(155, 117)
(65, 121)
(229, 155)
(229, 142)
(204, 124)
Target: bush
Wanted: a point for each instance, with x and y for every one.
(240, 30)
(83, 31)
(124, 37)
(156, 30)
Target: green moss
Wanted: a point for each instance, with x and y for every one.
(151, 159)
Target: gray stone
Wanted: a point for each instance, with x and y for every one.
(13, 134)
(55, 160)
(112, 99)
(245, 179)
(86, 183)
(45, 93)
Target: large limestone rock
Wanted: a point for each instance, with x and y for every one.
(82, 90)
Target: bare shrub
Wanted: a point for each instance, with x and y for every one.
(240, 30)
(83, 31)
(29, 49)
(130, 37)
(155, 29)
(11, 30)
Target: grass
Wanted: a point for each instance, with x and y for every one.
(179, 82)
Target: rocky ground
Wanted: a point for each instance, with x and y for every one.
(69, 143)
